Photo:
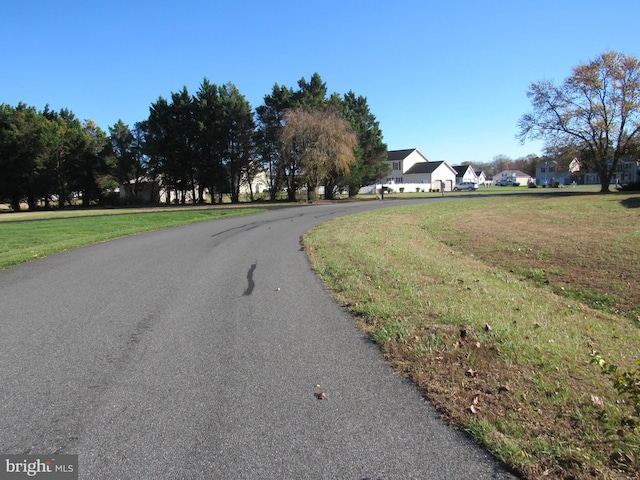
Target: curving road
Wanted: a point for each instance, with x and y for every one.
(195, 352)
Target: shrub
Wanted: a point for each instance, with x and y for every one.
(630, 187)
(627, 384)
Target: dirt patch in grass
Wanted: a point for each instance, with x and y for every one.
(595, 252)
(573, 251)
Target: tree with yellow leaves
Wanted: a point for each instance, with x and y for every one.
(319, 147)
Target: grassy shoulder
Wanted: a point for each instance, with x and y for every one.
(28, 236)
(493, 308)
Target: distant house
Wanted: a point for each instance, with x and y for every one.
(438, 175)
(627, 171)
(465, 173)
(402, 160)
(482, 178)
(511, 176)
(143, 190)
(412, 171)
(547, 173)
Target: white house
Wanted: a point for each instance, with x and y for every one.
(438, 175)
(465, 173)
(412, 171)
(401, 161)
(512, 175)
(482, 178)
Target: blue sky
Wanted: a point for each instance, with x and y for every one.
(449, 78)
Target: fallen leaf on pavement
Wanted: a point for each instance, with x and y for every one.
(321, 396)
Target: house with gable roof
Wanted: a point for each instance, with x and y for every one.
(482, 178)
(439, 175)
(401, 161)
(465, 173)
(508, 176)
(412, 171)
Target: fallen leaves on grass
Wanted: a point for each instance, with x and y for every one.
(597, 401)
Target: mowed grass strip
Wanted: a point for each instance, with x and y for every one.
(26, 240)
(493, 306)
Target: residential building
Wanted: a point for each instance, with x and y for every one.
(482, 178)
(511, 176)
(548, 172)
(465, 173)
(412, 171)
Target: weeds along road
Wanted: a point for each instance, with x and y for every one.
(195, 353)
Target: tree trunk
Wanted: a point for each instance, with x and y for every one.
(251, 192)
(15, 203)
(31, 201)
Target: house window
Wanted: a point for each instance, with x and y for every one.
(398, 179)
(396, 166)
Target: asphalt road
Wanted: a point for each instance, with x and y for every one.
(195, 353)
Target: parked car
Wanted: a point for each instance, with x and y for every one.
(508, 183)
(465, 186)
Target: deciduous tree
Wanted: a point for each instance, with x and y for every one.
(320, 144)
(596, 108)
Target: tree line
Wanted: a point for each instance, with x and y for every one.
(201, 148)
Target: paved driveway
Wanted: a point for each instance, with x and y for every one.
(195, 352)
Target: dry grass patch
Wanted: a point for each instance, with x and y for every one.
(488, 305)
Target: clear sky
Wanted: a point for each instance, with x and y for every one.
(446, 77)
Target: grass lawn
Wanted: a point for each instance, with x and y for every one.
(26, 236)
(494, 308)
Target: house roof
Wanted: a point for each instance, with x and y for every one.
(461, 169)
(395, 155)
(424, 167)
(517, 173)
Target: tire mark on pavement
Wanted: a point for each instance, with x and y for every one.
(251, 283)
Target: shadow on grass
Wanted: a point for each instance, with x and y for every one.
(633, 202)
